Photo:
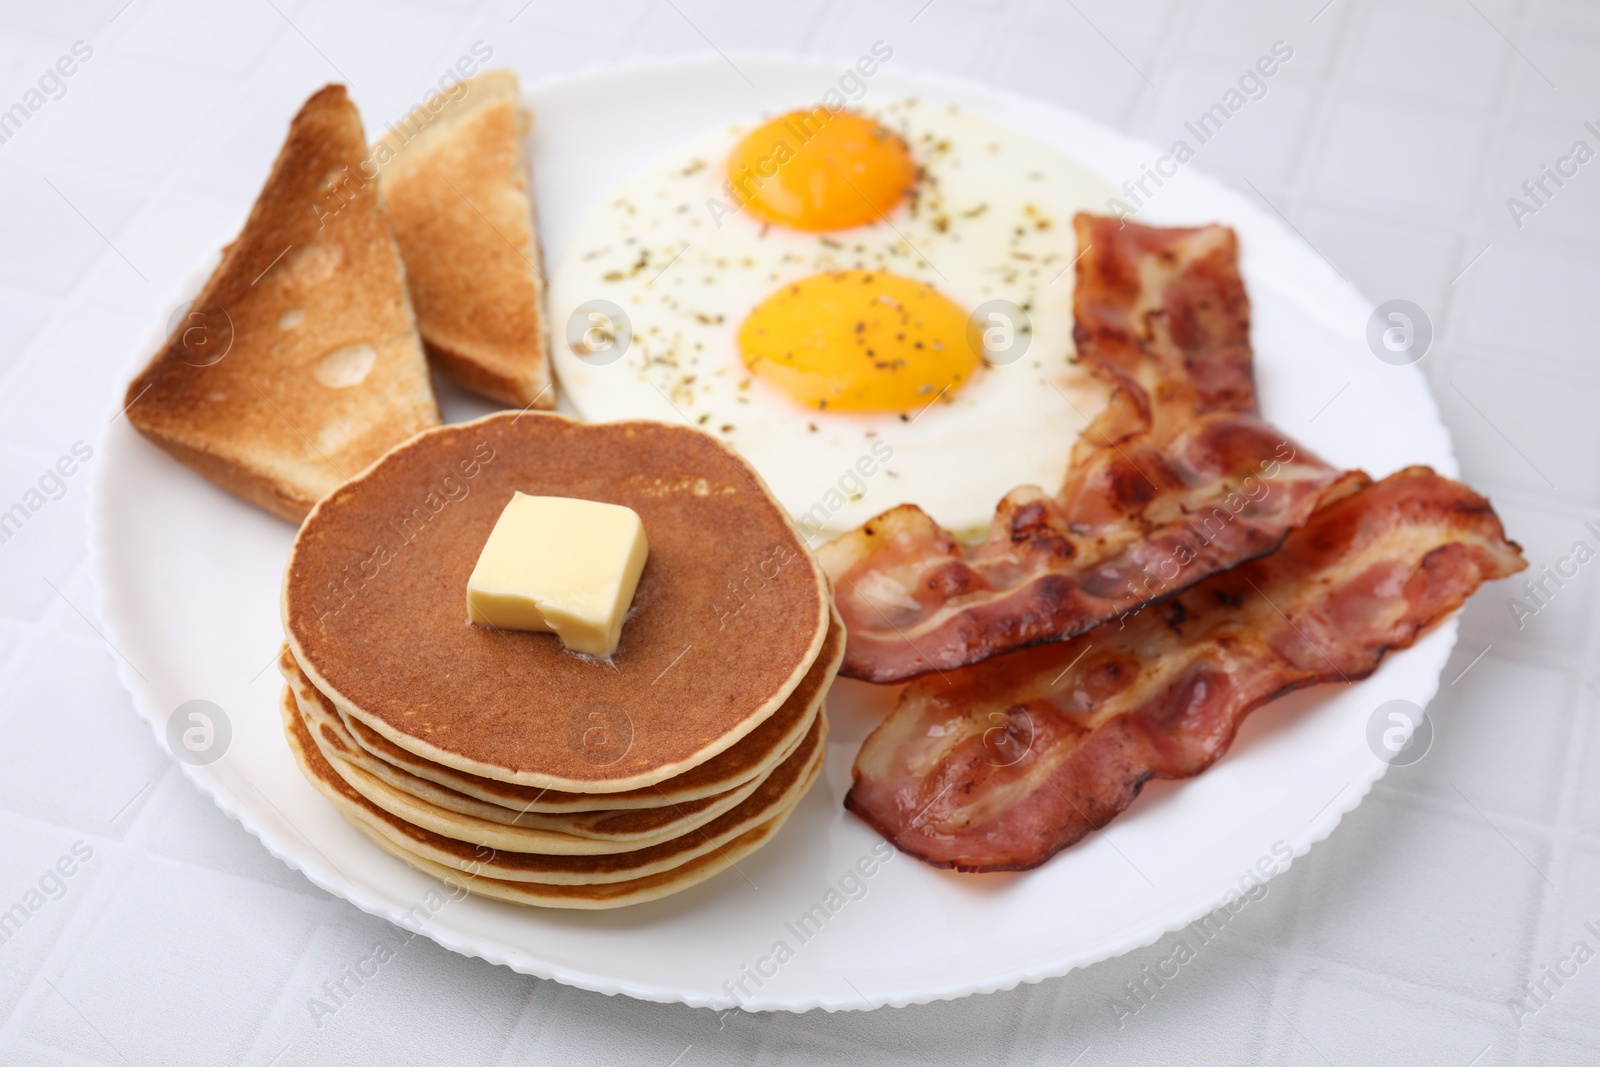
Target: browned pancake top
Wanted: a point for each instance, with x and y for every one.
(730, 612)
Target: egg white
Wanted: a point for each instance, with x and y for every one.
(991, 219)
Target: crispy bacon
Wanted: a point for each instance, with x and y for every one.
(998, 766)
(1177, 479)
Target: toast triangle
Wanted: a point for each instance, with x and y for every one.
(299, 362)
(455, 179)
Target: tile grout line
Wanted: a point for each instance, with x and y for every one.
(148, 192)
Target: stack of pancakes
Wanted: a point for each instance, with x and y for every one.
(505, 763)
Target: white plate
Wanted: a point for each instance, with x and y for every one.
(188, 589)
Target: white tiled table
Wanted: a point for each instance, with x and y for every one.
(1391, 141)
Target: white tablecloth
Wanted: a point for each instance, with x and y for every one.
(1392, 142)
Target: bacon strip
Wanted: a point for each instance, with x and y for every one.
(998, 766)
(1175, 480)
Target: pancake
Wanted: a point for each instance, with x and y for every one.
(467, 828)
(603, 895)
(752, 756)
(731, 610)
(639, 829)
(778, 793)
(613, 824)
(579, 862)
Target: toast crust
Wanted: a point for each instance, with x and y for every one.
(299, 363)
(455, 179)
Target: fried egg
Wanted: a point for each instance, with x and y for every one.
(872, 307)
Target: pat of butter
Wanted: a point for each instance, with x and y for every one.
(560, 565)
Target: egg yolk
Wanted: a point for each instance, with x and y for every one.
(858, 340)
(820, 170)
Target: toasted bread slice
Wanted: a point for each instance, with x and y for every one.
(299, 363)
(455, 180)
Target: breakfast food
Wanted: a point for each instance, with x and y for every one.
(711, 781)
(587, 882)
(1176, 479)
(870, 308)
(502, 755)
(560, 565)
(655, 813)
(1195, 565)
(455, 179)
(999, 766)
(585, 665)
(621, 838)
(299, 362)
(375, 613)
